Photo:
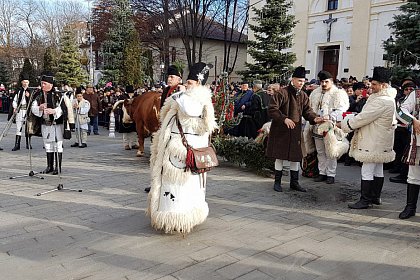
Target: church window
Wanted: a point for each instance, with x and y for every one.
(332, 5)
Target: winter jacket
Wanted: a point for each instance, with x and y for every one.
(373, 128)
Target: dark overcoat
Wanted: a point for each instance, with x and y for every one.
(284, 143)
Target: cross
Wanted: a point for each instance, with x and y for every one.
(329, 21)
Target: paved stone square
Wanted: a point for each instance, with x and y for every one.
(252, 232)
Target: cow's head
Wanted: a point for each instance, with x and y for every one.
(127, 110)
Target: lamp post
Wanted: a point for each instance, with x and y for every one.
(91, 39)
(162, 67)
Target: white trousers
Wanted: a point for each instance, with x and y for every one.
(278, 165)
(20, 117)
(83, 133)
(414, 171)
(53, 137)
(370, 170)
(130, 139)
(327, 166)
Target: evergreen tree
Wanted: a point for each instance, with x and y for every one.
(4, 74)
(273, 34)
(118, 38)
(50, 61)
(133, 62)
(148, 68)
(404, 50)
(69, 66)
(28, 69)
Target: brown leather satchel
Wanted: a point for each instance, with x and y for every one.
(199, 160)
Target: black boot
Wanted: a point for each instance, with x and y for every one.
(277, 180)
(378, 183)
(50, 164)
(147, 189)
(366, 196)
(294, 181)
(58, 161)
(412, 197)
(28, 141)
(17, 143)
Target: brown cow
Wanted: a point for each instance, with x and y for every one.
(144, 111)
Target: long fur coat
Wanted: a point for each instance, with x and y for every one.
(373, 127)
(332, 103)
(176, 201)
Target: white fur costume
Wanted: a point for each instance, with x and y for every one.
(177, 197)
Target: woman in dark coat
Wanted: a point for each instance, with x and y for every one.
(286, 109)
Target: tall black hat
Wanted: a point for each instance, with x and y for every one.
(129, 89)
(48, 77)
(24, 76)
(199, 72)
(381, 74)
(174, 70)
(324, 75)
(299, 72)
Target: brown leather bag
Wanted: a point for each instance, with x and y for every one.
(199, 160)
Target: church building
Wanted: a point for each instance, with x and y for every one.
(344, 37)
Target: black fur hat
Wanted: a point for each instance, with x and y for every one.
(381, 74)
(197, 73)
(24, 76)
(129, 89)
(324, 75)
(173, 70)
(300, 72)
(48, 77)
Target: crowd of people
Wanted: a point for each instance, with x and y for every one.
(380, 124)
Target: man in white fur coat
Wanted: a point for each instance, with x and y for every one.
(373, 138)
(328, 102)
(176, 201)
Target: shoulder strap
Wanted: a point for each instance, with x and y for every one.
(181, 131)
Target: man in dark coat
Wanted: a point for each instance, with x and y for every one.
(243, 99)
(255, 115)
(95, 107)
(174, 80)
(286, 108)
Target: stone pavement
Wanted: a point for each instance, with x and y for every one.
(251, 233)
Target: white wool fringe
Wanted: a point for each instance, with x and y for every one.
(336, 143)
(171, 222)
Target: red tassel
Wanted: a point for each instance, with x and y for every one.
(189, 162)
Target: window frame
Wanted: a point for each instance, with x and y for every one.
(332, 5)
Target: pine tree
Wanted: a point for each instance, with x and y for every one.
(29, 70)
(273, 34)
(118, 38)
(50, 61)
(133, 62)
(404, 50)
(69, 67)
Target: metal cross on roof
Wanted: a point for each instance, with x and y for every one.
(329, 21)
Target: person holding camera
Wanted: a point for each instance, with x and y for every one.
(357, 100)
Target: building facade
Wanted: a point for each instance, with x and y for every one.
(344, 37)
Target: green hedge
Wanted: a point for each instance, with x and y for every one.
(243, 151)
